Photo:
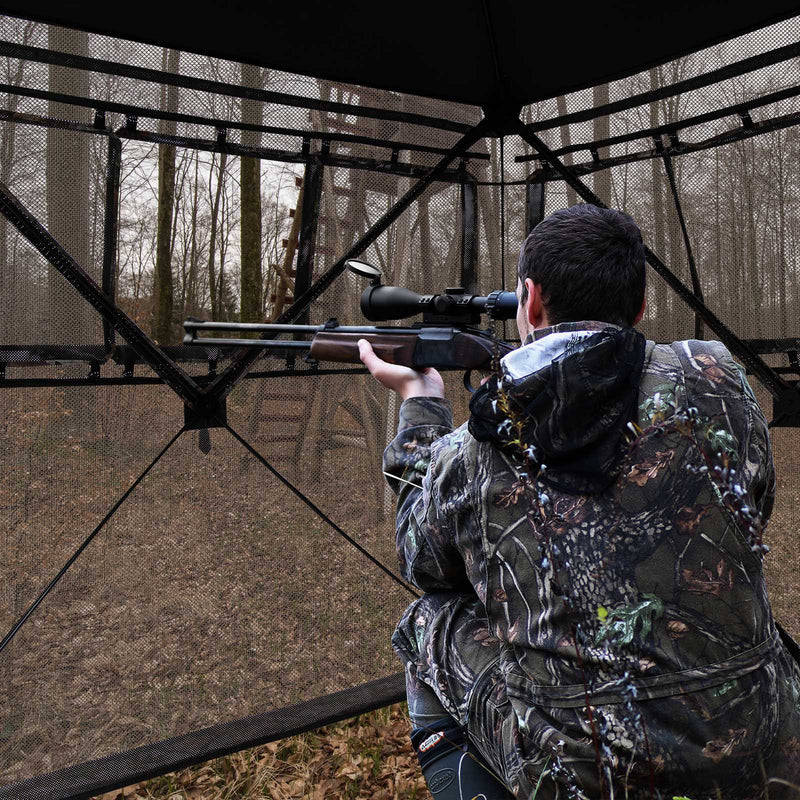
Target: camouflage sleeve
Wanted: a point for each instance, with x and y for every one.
(421, 469)
(718, 385)
(756, 452)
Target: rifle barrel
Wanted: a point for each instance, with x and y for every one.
(192, 327)
(259, 327)
(264, 344)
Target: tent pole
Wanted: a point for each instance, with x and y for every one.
(469, 232)
(698, 291)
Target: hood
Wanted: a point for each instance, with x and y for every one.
(575, 388)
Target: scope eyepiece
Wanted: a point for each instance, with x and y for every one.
(501, 305)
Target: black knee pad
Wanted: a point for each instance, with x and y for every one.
(453, 768)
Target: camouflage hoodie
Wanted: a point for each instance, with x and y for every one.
(618, 572)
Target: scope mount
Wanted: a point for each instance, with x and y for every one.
(453, 307)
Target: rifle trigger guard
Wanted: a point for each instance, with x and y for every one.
(467, 383)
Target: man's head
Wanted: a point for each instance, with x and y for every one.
(581, 263)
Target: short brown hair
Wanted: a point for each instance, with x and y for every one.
(590, 264)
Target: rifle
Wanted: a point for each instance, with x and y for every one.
(447, 338)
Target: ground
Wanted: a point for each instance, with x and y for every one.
(214, 592)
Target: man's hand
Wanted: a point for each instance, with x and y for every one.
(405, 381)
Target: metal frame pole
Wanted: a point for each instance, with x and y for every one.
(309, 223)
(110, 230)
(698, 290)
(44, 56)
(469, 233)
(534, 204)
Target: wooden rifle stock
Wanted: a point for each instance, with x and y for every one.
(393, 348)
(428, 348)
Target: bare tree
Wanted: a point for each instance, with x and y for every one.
(601, 124)
(67, 173)
(250, 193)
(14, 71)
(163, 289)
(215, 276)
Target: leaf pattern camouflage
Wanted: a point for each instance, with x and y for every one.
(617, 638)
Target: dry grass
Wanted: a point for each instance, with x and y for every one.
(366, 757)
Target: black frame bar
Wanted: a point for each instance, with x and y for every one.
(110, 232)
(86, 780)
(309, 223)
(674, 148)
(395, 167)
(469, 231)
(44, 56)
(671, 128)
(142, 112)
(762, 346)
(324, 156)
(220, 145)
(742, 67)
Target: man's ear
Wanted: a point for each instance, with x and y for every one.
(534, 308)
(641, 311)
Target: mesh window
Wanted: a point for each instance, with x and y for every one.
(219, 605)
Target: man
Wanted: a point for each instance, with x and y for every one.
(595, 621)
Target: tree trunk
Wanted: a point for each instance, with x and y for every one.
(213, 287)
(425, 246)
(754, 273)
(250, 193)
(70, 319)
(602, 180)
(566, 141)
(8, 141)
(190, 292)
(7, 149)
(163, 326)
(781, 254)
(489, 212)
(68, 189)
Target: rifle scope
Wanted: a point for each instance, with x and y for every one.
(381, 303)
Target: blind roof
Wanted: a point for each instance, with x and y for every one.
(480, 52)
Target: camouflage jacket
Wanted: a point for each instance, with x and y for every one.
(629, 565)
